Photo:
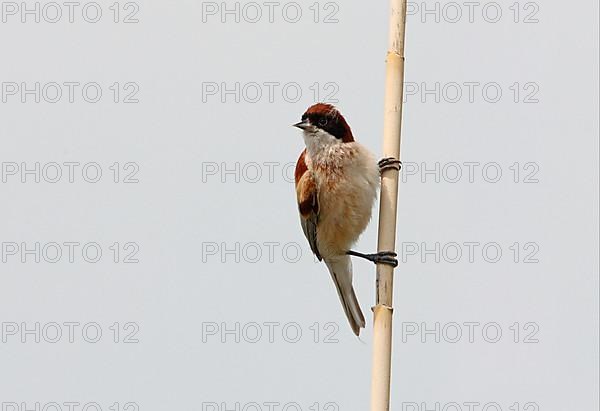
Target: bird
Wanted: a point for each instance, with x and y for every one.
(336, 180)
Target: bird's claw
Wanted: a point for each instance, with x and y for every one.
(389, 163)
(382, 257)
(386, 257)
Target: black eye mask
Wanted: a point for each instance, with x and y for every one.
(329, 124)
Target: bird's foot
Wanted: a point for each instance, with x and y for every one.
(382, 257)
(389, 163)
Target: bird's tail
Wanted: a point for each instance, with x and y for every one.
(341, 272)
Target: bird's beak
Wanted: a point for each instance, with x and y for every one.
(304, 124)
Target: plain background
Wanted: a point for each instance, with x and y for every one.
(179, 209)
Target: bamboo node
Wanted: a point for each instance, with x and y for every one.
(382, 307)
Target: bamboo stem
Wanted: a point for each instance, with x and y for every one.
(382, 323)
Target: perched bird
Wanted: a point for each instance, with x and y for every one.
(336, 185)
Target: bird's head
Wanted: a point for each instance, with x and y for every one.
(323, 125)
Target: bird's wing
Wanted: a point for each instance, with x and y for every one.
(307, 196)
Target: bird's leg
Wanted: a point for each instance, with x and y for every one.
(382, 257)
(389, 163)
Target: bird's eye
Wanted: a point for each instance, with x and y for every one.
(323, 121)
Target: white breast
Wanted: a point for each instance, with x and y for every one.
(347, 177)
